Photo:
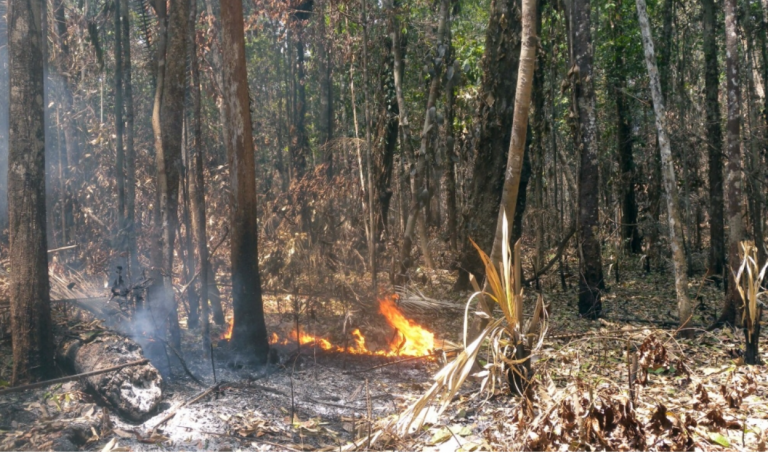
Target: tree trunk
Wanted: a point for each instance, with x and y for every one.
(419, 192)
(130, 152)
(299, 144)
(193, 317)
(714, 139)
(119, 124)
(249, 334)
(517, 145)
(494, 120)
(369, 158)
(170, 111)
(387, 138)
(514, 171)
(684, 307)
(28, 291)
(325, 76)
(590, 260)
(70, 131)
(736, 229)
(198, 184)
(453, 77)
(630, 234)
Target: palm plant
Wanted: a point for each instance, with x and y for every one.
(749, 281)
(510, 342)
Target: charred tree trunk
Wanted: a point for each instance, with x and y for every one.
(714, 140)
(684, 307)
(249, 334)
(30, 303)
(591, 281)
(494, 118)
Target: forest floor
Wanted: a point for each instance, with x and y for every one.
(698, 394)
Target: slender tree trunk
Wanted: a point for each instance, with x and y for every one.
(30, 303)
(736, 229)
(591, 281)
(198, 184)
(387, 138)
(630, 234)
(494, 120)
(369, 158)
(299, 143)
(419, 193)
(193, 318)
(684, 307)
(515, 162)
(119, 123)
(537, 149)
(714, 139)
(70, 131)
(325, 73)
(453, 77)
(130, 151)
(249, 334)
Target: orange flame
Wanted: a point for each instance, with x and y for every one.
(415, 340)
(411, 339)
(228, 334)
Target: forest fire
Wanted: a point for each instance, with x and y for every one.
(410, 339)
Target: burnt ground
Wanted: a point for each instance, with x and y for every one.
(698, 396)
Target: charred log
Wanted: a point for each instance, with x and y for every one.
(134, 392)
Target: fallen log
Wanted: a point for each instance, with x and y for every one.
(134, 391)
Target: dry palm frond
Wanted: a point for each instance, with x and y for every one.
(505, 336)
(749, 283)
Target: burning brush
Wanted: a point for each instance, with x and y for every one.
(410, 339)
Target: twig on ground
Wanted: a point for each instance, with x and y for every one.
(173, 411)
(409, 359)
(71, 378)
(184, 364)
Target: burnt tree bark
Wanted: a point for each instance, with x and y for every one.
(30, 302)
(714, 139)
(591, 281)
(249, 334)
